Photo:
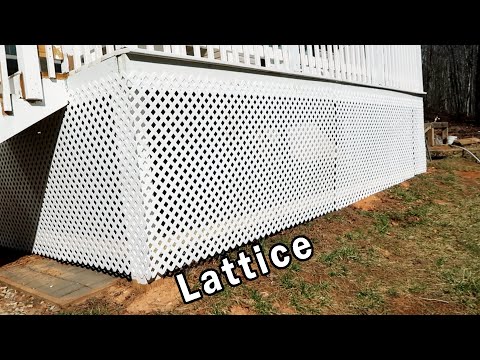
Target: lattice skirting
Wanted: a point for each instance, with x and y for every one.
(149, 171)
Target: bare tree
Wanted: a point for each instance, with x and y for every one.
(451, 80)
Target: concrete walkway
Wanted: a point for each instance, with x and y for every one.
(56, 282)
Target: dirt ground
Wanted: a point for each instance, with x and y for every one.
(412, 249)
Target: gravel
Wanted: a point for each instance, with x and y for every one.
(13, 302)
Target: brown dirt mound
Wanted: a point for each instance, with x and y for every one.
(368, 204)
(160, 296)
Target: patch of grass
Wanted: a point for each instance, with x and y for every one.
(303, 308)
(382, 223)
(280, 239)
(419, 211)
(365, 213)
(473, 247)
(286, 281)
(354, 235)
(91, 307)
(404, 194)
(295, 266)
(342, 270)
(392, 292)
(218, 309)
(417, 288)
(396, 215)
(446, 179)
(464, 282)
(334, 216)
(308, 290)
(469, 284)
(344, 253)
(262, 306)
(440, 261)
(369, 299)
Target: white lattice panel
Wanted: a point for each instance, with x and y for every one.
(375, 142)
(228, 158)
(153, 170)
(91, 211)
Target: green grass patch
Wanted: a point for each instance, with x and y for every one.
(382, 223)
(262, 306)
(369, 299)
(344, 253)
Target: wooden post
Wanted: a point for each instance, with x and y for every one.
(431, 137)
(29, 65)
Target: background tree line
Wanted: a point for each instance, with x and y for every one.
(451, 78)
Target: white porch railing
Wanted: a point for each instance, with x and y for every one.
(396, 67)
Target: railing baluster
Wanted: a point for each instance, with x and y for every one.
(323, 49)
(210, 52)
(331, 65)
(318, 64)
(235, 54)
(276, 62)
(341, 53)
(362, 63)
(50, 61)
(256, 49)
(285, 55)
(336, 58)
(196, 51)
(86, 54)
(303, 59)
(223, 53)
(76, 57)
(331, 62)
(266, 56)
(348, 62)
(419, 64)
(410, 68)
(311, 63)
(6, 98)
(65, 66)
(246, 54)
(98, 52)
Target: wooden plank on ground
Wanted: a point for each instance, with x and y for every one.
(468, 141)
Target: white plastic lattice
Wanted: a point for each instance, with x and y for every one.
(153, 170)
(226, 160)
(92, 208)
